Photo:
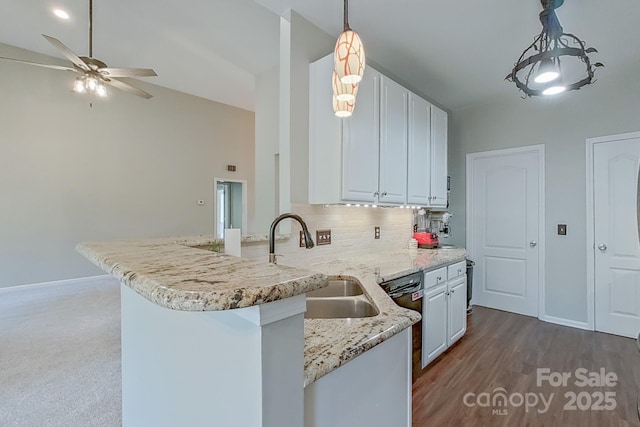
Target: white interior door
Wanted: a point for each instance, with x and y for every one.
(504, 227)
(615, 228)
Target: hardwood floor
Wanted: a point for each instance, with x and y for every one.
(506, 350)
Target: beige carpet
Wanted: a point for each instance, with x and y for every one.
(60, 355)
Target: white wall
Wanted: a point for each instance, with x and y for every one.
(125, 168)
(266, 142)
(301, 44)
(562, 124)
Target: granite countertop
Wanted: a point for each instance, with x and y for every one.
(330, 343)
(172, 274)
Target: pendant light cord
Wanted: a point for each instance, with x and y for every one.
(346, 15)
(90, 28)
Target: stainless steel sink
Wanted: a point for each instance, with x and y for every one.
(338, 288)
(339, 308)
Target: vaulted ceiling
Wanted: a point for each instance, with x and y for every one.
(456, 52)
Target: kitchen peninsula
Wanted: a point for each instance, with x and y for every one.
(211, 339)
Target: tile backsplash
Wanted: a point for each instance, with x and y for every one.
(352, 234)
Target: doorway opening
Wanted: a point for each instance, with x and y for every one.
(230, 205)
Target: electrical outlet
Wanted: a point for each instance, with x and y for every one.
(562, 229)
(376, 233)
(323, 237)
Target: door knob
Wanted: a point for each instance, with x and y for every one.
(602, 247)
(533, 243)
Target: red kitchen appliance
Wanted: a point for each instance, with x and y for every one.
(426, 240)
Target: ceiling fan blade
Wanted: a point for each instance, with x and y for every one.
(55, 67)
(127, 72)
(67, 52)
(128, 88)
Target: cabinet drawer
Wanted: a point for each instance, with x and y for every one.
(435, 277)
(457, 269)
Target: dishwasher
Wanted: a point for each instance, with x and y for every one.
(407, 292)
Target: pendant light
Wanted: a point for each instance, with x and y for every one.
(539, 70)
(349, 59)
(343, 109)
(344, 92)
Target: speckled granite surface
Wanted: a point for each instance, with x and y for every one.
(173, 275)
(330, 343)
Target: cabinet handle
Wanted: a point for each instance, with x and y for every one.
(459, 271)
(453, 290)
(384, 193)
(447, 293)
(376, 194)
(438, 278)
(602, 247)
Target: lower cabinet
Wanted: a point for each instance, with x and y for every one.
(444, 312)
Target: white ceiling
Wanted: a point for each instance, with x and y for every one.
(209, 48)
(457, 52)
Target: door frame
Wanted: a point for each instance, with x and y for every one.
(243, 182)
(539, 150)
(591, 244)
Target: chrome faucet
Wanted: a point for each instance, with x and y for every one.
(272, 234)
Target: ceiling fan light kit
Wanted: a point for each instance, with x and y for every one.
(539, 70)
(349, 64)
(95, 75)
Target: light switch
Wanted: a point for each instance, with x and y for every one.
(562, 229)
(323, 237)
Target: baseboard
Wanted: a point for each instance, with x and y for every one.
(566, 322)
(55, 283)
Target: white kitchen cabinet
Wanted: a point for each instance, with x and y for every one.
(457, 309)
(438, 169)
(361, 148)
(343, 153)
(391, 151)
(419, 149)
(393, 142)
(444, 310)
(434, 323)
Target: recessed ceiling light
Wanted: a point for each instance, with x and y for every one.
(61, 14)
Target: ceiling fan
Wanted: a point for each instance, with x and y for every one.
(94, 74)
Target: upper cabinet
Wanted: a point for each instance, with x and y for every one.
(388, 152)
(439, 125)
(419, 161)
(393, 142)
(360, 142)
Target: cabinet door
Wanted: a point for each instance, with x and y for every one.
(419, 161)
(434, 323)
(457, 309)
(361, 148)
(393, 142)
(439, 125)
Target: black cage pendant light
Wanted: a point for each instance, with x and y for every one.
(556, 61)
